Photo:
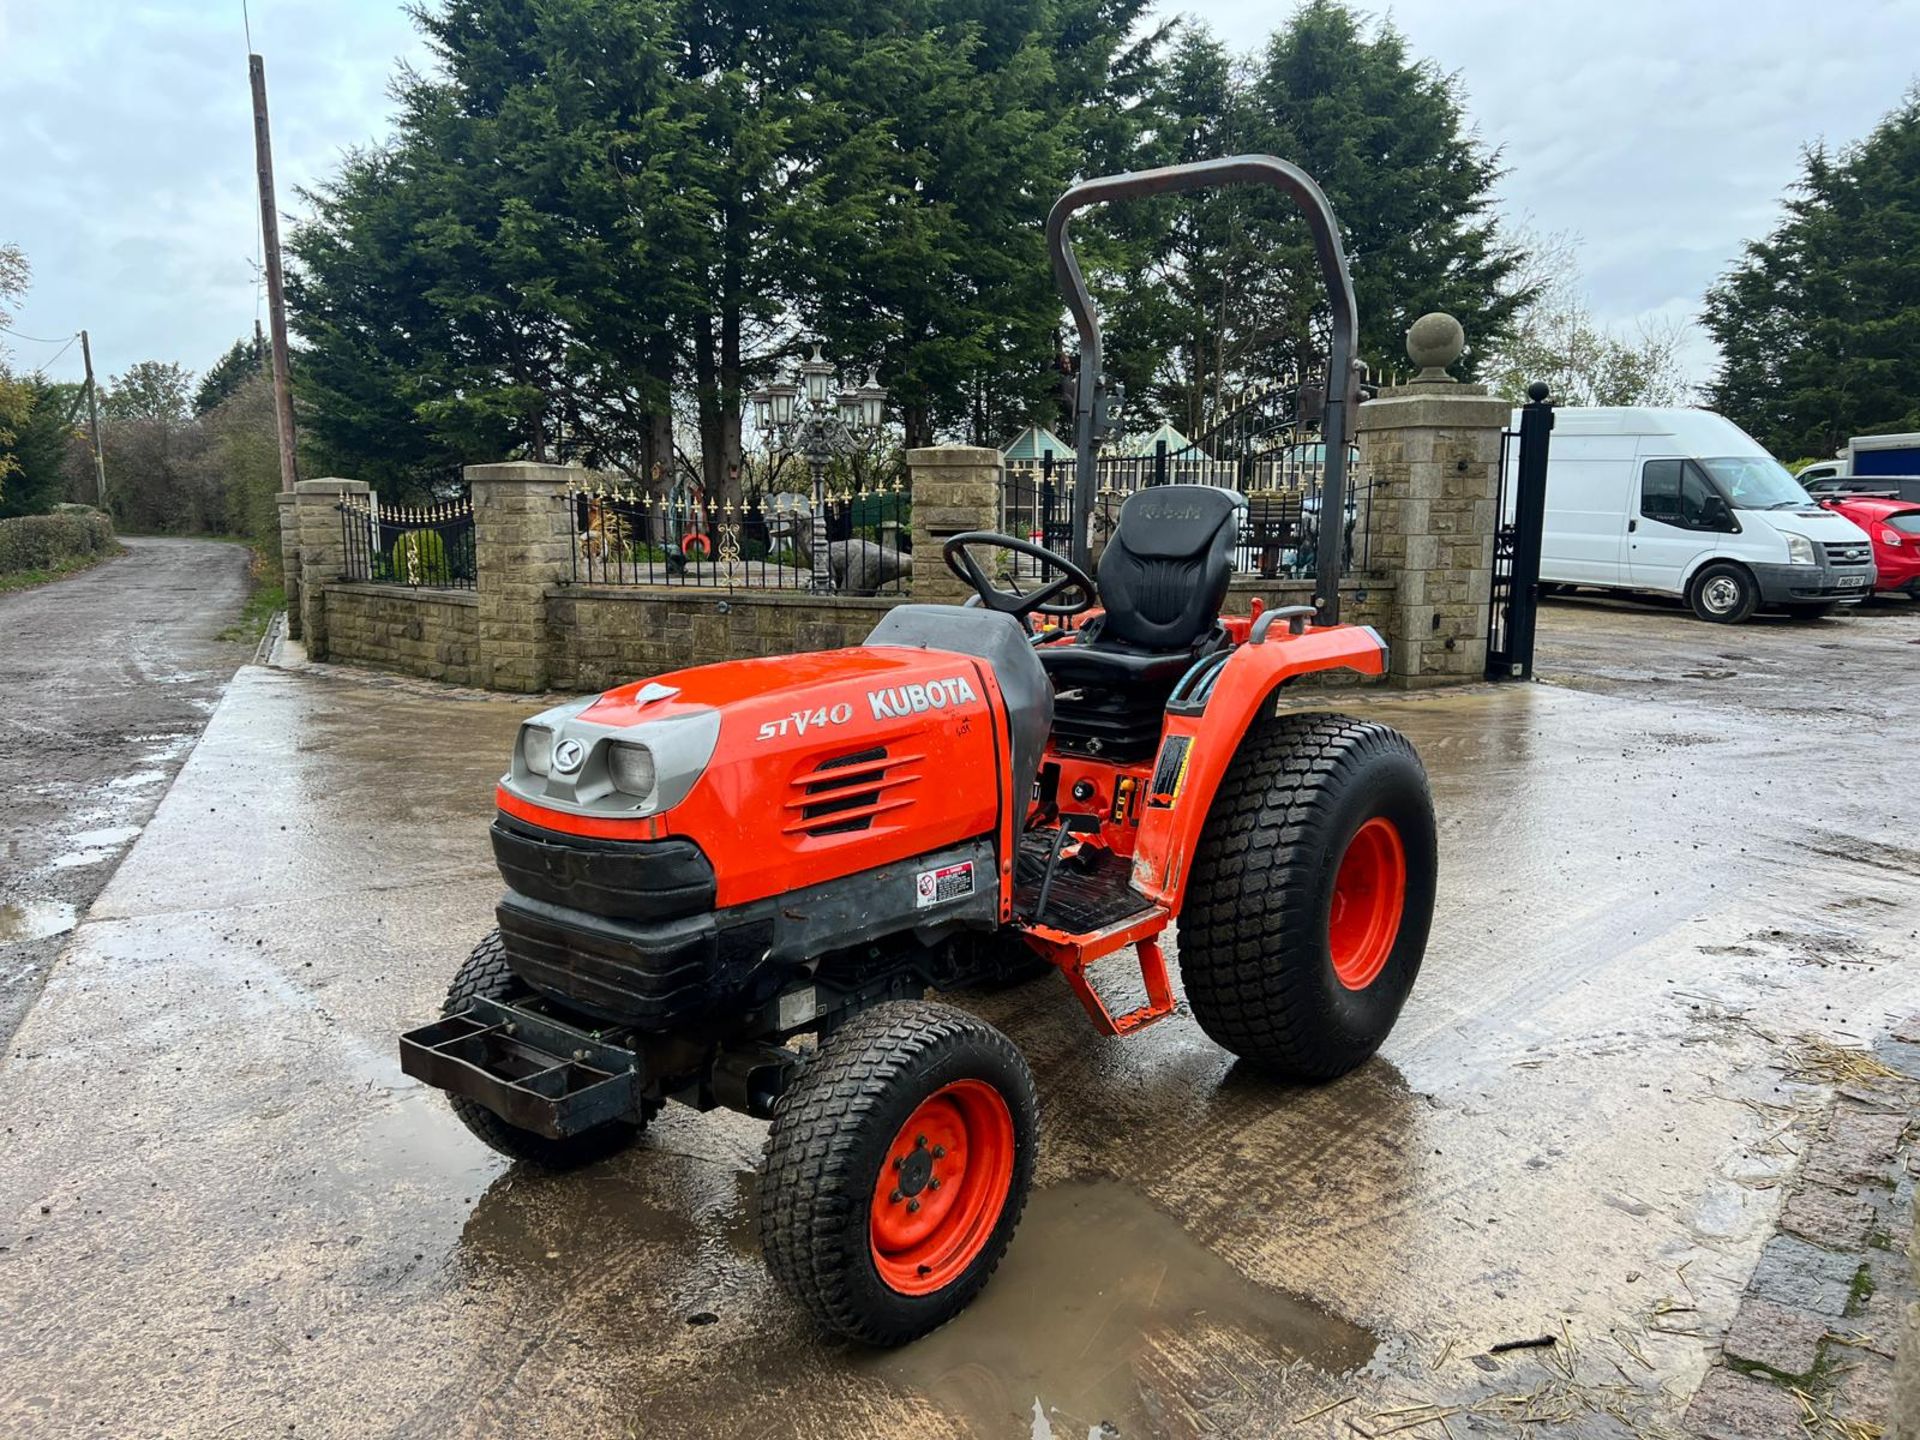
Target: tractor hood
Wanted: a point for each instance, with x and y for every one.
(767, 764)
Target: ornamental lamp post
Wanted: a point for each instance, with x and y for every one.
(810, 419)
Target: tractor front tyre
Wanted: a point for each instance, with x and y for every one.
(896, 1169)
(487, 974)
(1306, 915)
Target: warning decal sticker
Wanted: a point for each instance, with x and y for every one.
(949, 882)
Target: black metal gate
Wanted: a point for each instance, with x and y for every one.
(1518, 521)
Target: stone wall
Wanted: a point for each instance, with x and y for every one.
(526, 627)
(601, 636)
(432, 633)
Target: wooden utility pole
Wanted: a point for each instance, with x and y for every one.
(93, 423)
(270, 237)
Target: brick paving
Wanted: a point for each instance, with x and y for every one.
(1823, 1310)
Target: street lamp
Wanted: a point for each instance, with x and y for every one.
(809, 419)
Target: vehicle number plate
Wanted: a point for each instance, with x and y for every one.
(1849, 582)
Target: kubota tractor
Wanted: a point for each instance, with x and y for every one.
(706, 866)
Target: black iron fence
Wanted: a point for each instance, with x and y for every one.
(429, 547)
(863, 545)
(1280, 524)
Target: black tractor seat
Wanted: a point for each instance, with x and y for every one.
(1162, 578)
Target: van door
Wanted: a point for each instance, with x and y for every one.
(1679, 519)
(1591, 490)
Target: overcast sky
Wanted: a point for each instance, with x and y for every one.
(1661, 132)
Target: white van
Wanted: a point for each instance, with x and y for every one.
(1686, 503)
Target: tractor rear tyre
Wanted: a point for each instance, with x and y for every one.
(1312, 890)
(896, 1169)
(486, 973)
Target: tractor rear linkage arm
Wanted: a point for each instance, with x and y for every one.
(1342, 371)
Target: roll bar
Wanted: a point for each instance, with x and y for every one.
(1342, 371)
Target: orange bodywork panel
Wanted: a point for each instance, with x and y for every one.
(919, 737)
(1195, 750)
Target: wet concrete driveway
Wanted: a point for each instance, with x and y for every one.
(224, 1212)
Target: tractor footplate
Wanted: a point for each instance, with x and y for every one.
(527, 1068)
(1081, 896)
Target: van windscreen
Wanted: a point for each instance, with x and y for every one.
(1756, 482)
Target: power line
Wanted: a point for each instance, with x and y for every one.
(41, 372)
(35, 339)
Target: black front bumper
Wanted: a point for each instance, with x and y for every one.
(620, 879)
(654, 975)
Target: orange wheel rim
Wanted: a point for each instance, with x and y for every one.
(1369, 894)
(941, 1188)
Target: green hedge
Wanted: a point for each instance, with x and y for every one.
(42, 542)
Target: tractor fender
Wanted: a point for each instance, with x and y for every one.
(1205, 724)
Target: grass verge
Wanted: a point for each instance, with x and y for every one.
(266, 596)
(28, 579)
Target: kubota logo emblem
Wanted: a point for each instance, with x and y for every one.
(912, 699)
(567, 756)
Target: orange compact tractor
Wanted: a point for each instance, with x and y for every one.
(703, 867)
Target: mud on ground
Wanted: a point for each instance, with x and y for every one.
(226, 1212)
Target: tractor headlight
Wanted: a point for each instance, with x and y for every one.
(631, 769)
(536, 748)
(1799, 550)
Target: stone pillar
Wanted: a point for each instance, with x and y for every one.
(313, 552)
(1432, 451)
(522, 543)
(956, 488)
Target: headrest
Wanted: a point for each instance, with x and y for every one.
(1175, 522)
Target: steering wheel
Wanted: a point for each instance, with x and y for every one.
(961, 562)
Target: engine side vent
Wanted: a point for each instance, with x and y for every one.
(844, 794)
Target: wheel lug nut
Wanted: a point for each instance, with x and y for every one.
(895, 1198)
(919, 1142)
(913, 1207)
(898, 1162)
(939, 1152)
(934, 1183)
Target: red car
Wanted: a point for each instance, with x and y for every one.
(1894, 527)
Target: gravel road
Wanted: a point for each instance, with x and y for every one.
(106, 681)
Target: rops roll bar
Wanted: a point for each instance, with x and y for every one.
(1342, 371)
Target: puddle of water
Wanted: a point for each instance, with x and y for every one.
(137, 780)
(1095, 1274)
(34, 920)
(111, 838)
(92, 847)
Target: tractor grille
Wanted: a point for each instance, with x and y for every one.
(1847, 554)
(845, 794)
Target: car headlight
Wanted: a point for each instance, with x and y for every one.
(631, 769)
(1799, 550)
(536, 748)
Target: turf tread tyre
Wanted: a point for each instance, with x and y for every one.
(828, 1138)
(486, 973)
(1253, 942)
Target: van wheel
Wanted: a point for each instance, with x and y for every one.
(1724, 594)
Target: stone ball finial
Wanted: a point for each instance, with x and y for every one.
(1434, 342)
